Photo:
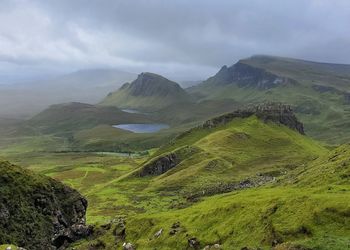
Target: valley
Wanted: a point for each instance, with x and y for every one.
(252, 158)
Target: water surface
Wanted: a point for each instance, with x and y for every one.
(142, 128)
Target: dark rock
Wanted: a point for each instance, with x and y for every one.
(119, 230)
(164, 163)
(176, 225)
(160, 165)
(193, 243)
(245, 75)
(175, 228)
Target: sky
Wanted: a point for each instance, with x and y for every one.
(182, 39)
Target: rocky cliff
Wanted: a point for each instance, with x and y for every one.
(37, 212)
(245, 75)
(274, 112)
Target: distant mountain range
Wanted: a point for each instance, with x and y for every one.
(89, 86)
(318, 92)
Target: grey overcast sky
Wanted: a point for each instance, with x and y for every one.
(182, 39)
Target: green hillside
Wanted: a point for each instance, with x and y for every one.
(70, 117)
(318, 91)
(149, 92)
(249, 179)
(231, 148)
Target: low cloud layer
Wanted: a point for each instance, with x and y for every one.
(181, 39)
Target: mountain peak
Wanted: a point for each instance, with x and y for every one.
(159, 91)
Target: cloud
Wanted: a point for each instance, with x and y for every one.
(181, 39)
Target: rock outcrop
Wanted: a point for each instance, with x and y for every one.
(160, 165)
(38, 212)
(164, 163)
(274, 112)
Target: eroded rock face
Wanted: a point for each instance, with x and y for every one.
(275, 112)
(160, 165)
(38, 212)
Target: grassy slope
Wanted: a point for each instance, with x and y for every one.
(309, 206)
(232, 152)
(290, 210)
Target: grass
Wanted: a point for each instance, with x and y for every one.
(306, 204)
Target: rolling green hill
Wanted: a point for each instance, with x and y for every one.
(149, 92)
(74, 116)
(319, 92)
(231, 148)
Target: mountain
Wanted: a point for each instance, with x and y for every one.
(319, 92)
(23, 100)
(37, 212)
(149, 92)
(68, 117)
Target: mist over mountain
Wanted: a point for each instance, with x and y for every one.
(23, 100)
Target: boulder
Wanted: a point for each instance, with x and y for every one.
(128, 246)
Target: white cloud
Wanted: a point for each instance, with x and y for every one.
(177, 38)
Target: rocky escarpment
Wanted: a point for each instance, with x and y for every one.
(245, 75)
(37, 212)
(161, 164)
(274, 112)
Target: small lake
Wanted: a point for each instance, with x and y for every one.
(142, 128)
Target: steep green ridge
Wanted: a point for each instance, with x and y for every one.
(149, 92)
(231, 148)
(37, 212)
(318, 91)
(70, 117)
